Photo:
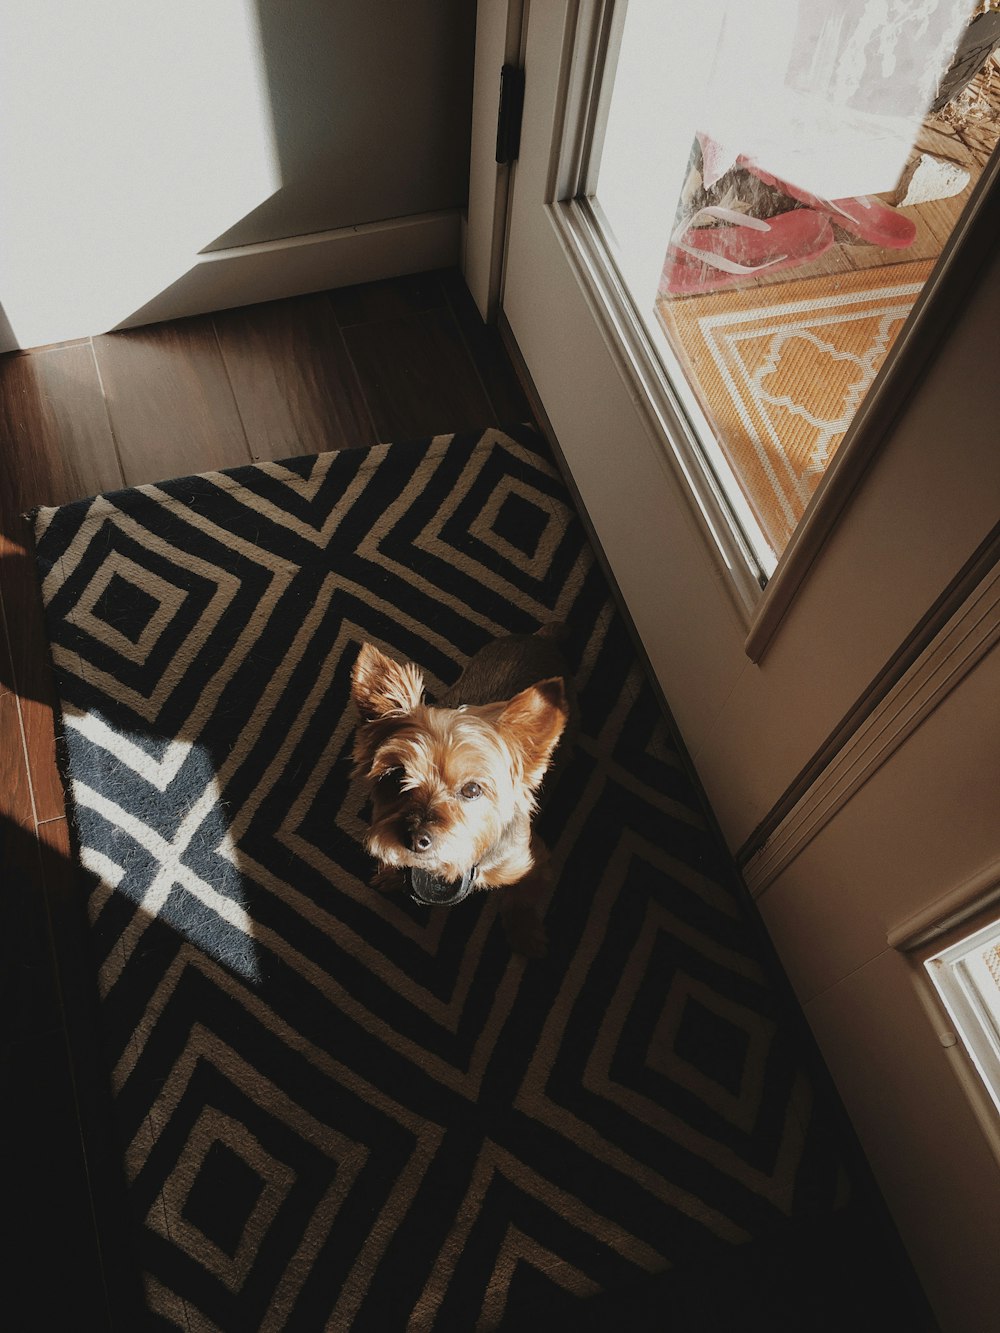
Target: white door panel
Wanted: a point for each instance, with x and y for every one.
(932, 1163)
(931, 497)
(857, 762)
(924, 820)
(923, 509)
(690, 627)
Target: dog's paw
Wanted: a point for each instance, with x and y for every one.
(526, 932)
(390, 879)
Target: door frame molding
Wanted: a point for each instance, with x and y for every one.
(499, 36)
(954, 636)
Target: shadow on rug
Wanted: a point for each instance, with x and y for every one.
(338, 1109)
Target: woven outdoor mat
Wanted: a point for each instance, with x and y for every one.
(338, 1109)
(780, 372)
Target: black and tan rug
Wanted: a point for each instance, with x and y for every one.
(337, 1110)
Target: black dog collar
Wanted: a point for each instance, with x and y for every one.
(432, 892)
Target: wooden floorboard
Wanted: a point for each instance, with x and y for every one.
(392, 298)
(385, 361)
(29, 1000)
(26, 650)
(53, 1270)
(55, 438)
(293, 380)
(496, 374)
(417, 376)
(56, 445)
(170, 402)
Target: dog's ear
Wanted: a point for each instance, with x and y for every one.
(380, 686)
(534, 720)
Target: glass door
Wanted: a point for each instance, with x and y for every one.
(774, 191)
(697, 405)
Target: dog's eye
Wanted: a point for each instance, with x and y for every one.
(391, 775)
(470, 791)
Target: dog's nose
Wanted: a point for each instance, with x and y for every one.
(421, 840)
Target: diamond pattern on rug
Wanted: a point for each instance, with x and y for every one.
(339, 1109)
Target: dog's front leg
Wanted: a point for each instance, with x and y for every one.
(390, 879)
(522, 903)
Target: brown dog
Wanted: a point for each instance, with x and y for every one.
(454, 786)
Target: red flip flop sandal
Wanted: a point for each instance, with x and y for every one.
(864, 217)
(701, 259)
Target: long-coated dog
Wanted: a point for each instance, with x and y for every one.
(454, 784)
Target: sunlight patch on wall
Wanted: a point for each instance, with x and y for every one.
(132, 135)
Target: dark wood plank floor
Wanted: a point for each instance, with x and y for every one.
(384, 361)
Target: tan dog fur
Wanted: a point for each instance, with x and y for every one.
(454, 785)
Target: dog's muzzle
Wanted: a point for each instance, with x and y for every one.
(432, 892)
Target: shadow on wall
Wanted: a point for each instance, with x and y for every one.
(371, 109)
(8, 342)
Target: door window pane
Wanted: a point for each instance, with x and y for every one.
(775, 185)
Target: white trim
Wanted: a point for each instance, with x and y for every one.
(975, 894)
(643, 355)
(656, 398)
(971, 903)
(291, 266)
(962, 642)
(498, 41)
(248, 274)
(591, 36)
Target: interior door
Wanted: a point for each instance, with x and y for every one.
(846, 732)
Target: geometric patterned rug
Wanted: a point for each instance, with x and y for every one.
(338, 1109)
(780, 372)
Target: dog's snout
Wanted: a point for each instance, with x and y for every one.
(419, 834)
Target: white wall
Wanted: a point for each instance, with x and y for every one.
(371, 107)
(133, 137)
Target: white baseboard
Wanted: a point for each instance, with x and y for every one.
(247, 274)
